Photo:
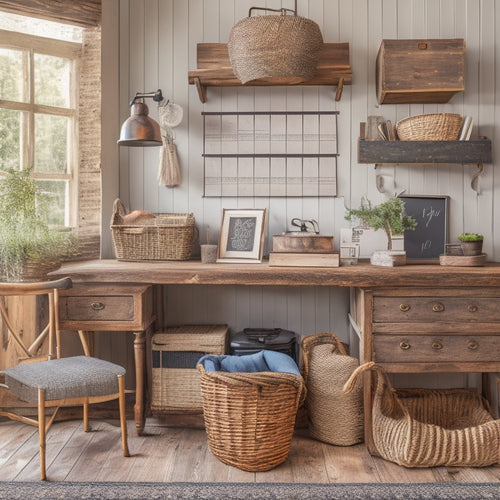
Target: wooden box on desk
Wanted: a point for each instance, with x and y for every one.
(420, 71)
(175, 352)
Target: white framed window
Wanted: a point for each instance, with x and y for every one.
(39, 80)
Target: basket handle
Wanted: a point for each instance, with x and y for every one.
(119, 211)
(309, 341)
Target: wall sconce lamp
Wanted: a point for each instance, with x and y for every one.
(139, 129)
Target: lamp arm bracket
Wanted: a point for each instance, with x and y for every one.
(157, 96)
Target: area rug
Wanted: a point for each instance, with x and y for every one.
(248, 491)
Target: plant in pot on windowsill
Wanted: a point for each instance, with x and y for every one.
(471, 243)
(29, 248)
(389, 216)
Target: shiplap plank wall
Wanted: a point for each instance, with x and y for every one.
(157, 48)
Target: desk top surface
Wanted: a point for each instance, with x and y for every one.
(363, 274)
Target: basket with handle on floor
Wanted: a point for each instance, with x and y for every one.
(250, 417)
(431, 427)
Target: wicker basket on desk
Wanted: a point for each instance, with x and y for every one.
(164, 237)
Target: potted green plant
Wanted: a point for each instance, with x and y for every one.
(29, 248)
(391, 218)
(471, 243)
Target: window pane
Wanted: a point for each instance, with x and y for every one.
(11, 75)
(51, 80)
(55, 201)
(10, 139)
(51, 140)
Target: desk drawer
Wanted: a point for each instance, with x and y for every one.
(435, 348)
(106, 307)
(98, 308)
(431, 309)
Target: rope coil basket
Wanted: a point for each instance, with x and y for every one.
(250, 417)
(431, 427)
(279, 47)
(161, 237)
(334, 416)
(430, 127)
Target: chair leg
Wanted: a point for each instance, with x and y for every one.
(123, 417)
(41, 432)
(86, 427)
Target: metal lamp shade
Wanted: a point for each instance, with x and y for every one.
(139, 129)
(279, 49)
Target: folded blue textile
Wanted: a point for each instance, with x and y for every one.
(262, 361)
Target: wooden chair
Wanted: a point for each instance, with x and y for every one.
(57, 382)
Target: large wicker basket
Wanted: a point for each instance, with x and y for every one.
(164, 237)
(334, 417)
(431, 427)
(430, 127)
(250, 417)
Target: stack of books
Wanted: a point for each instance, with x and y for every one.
(303, 249)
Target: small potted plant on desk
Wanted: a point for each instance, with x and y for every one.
(389, 216)
(29, 248)
(471, 243)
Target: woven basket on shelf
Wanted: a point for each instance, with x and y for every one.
(250, 417)
(285, 48)
(431, 427)
(164, 237)
(334, 417)
(430, 127)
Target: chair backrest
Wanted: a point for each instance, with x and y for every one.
(50, 331)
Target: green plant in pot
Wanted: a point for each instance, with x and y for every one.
(29, 248)
(389, 216)
(471, 243)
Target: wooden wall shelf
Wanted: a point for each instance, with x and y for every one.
(214, 69)
(407, 152)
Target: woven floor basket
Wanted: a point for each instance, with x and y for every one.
(430, 127)
(250, 417)
(164, 237)
(432, 427)
(334, 416)
(280, 47)
(31, 270)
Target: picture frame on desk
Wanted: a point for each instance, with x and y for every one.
(241, 237)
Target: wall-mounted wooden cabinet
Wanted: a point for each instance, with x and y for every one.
(420, 71)
(214, 69)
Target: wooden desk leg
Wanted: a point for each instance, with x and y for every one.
(140, 366)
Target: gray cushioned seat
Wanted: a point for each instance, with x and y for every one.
(77, 376)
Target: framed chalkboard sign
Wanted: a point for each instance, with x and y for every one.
(428, 241)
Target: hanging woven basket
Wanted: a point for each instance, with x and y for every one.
(279, 48)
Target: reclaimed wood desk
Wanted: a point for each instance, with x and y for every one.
(410, 319)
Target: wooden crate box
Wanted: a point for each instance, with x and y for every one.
(420, 71)
(175, 353)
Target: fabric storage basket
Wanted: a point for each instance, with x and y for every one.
(430, 127)
(175, 353)
(334, 416)
(431, 427)
(160, 237)
(250, 417)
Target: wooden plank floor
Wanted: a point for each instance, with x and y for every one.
(180, 454)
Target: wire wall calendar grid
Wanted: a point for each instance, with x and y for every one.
(275, 153)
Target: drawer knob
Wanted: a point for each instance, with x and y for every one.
(472, 345)
(97, 306)
(472, 308)
(436, 345)
(438, 307)
(404, 307)
(404, 345)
